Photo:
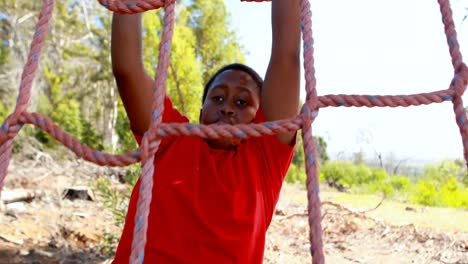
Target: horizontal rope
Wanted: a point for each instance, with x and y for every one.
(216, 131)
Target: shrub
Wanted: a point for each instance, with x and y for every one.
(451, 194)
(113, 200)
(339, 172)
(363, 174)
(3, 112)
(126, 140)
(295, 175)
(66, 115)
(425, 193)
(400, 183)
(90, 136)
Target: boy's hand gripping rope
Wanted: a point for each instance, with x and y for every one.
(145, 153)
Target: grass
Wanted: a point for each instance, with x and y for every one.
(391, 211)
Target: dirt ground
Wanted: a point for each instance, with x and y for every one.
(49, 228)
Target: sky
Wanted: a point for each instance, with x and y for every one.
(373, 47)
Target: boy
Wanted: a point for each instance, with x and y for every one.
(213, 199)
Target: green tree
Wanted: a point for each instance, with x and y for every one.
(184, 84)
(217, 43)
(296, 172)
(442, 172)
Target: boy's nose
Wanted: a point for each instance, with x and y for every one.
(227, 111)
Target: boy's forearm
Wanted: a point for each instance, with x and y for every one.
(280, 93)
(286, 28)
(126, 47)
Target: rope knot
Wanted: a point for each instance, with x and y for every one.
(307, 115)
(460, 81)
(9, 128)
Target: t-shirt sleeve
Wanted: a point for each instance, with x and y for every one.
(170, 115)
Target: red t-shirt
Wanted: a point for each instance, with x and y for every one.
(209, 205)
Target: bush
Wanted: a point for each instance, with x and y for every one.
(66, 115)
(339, 172)
(117, 202)
(349, 174)
(295, 175)
(114, 201)
(451, 194)
(400, 183)
(3, 113)
(442, 172)
(378, 175)
(425, 193)
(126, 140)
(363, 174)
(90, 136)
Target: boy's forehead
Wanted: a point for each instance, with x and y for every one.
(237, 76)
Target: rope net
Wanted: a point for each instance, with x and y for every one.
(157, 130)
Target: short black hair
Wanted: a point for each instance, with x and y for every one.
(234, 66)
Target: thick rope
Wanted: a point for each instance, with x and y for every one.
(150, 142)
(11, 126)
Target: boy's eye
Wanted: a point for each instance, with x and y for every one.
(217, 98)
(241, 102)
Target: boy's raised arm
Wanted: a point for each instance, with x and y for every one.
(280, 94)
(133, 82)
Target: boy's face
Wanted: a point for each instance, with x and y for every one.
(233, 98)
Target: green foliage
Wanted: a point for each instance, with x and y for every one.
(217, 43)
(115, 202)
(3, 112)
(126, 141)
(298, 173)
(400, 183)
(90, 136)
(450, 193)
(440, 184)
(67, 115)
(295, 174)
(184, 84)
(133, 173)
(443, 171)
(75, 65)
(338, 172)
(378, 175)
(425, 193)
(108, 243)
(321, 147)
(4, 51)
(431, 193)
(363, 174)
(349, 174)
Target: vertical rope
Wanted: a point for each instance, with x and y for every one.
(451, 34)
(311, 104)
(146, 184)
(11, 126)
(460, 79)
(5, 150)
(458, 85)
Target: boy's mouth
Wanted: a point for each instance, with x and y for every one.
(224, 121)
